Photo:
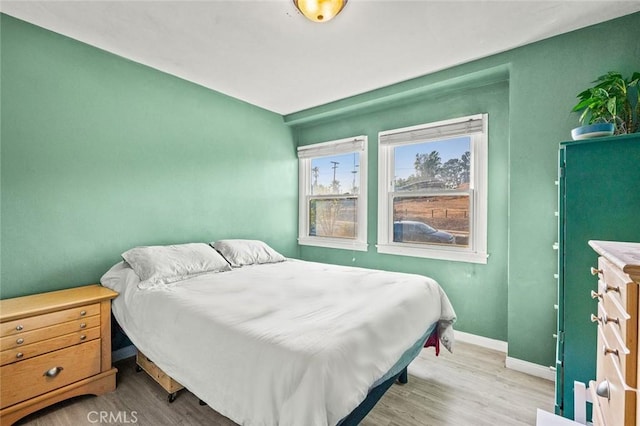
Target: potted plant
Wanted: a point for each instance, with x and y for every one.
(609, 107)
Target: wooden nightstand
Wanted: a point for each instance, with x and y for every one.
(54, 346)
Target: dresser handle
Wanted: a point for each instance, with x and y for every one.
(83, 325)
(612, 288)
(595, 295)
(19, 355)
(604, 319)
(83, 313)
(19, 327)
(602, 389)
(595, 271)
(82, 337)
(20, 341)
(53, 372)
(606, 351)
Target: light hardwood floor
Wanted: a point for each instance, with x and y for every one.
(469, 387)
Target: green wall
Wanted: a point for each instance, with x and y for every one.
(528, 93)
(100, 154)
(481, 96)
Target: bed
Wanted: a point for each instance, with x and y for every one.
(266, 340)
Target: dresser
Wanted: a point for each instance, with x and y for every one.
(54, 346)
(614, 392)
(598, 200)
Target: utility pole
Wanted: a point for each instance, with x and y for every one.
(316, 172)
(354, 178)
(354, 172)
(334, 167)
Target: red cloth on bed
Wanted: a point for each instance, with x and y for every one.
(434, 341)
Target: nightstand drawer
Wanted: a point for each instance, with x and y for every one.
(16, 327)
(29, 351)
(26, 379)
(45, 333)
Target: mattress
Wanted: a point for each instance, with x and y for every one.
(290, 343)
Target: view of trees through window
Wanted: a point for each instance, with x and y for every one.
(431, 197)
(431, 192)
(335, 184)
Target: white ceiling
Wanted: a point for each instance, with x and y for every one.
(266, 53)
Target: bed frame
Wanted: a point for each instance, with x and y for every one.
(361, 411)
(163, 379)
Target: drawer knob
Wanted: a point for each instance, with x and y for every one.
(19, 341)
(53, 372)
(19, 355)
(83, 313)
(82, 337)
(595, 271)
(595, 295)
(606, 351)
(19, 327)
(83, 325)
(612, 288)
(602, 390)
(605, 319)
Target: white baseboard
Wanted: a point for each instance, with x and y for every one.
(516, 364)
(122, 353)
(530, 368)
(485, 342)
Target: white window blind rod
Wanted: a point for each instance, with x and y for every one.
(325, 149)
(439, 130)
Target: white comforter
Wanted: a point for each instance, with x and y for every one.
(292, 343)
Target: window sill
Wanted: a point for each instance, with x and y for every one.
(333, 243)
(429, 253)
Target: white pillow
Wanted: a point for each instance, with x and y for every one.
(159, 265)
(119, 277)
(247, 252)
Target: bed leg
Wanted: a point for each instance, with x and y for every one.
(403, 377)
(138, 368)
(172, 397)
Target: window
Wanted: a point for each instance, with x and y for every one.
(433, 190)
(333, 194)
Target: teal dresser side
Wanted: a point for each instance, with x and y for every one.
(599, 199)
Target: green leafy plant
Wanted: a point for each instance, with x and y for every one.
(613, 99)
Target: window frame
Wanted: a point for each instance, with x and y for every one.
(337, 147)
(478, 194)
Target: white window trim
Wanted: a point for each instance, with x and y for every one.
(477, 252)
(305, 154)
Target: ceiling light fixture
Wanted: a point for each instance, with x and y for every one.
(320, 10)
